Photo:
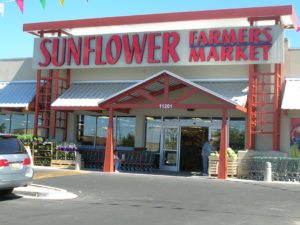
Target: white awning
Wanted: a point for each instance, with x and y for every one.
(290, 97)
(91, 93)
(17, 94)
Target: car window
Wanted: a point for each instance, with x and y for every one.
(11, 146)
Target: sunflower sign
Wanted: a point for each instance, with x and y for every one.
(295, 138)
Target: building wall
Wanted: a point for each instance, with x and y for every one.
(17, 70)
(292, 63)
(291, 70)
(141, 73)
(21, 69)
(286, 128)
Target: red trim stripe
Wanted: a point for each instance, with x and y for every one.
(166, 17)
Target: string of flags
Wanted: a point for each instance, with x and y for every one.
(20, 4)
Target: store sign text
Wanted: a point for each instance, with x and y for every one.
(194, 47)
(233, 44)
(166, 106)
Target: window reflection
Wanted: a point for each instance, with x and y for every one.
(171, 119)
(30, 124)
(4, 123)
(86, 129)
(18, 124)
(170, 136)
(153, 129)
(91, 127)
(102, 125)
(237, 129)
(125, 131)
(170, 158)
(195, 119)
(216, 135)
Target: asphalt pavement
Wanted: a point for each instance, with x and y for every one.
(128, 198)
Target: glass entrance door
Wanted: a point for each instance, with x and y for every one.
(169, 149)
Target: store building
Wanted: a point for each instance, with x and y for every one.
(163, 82)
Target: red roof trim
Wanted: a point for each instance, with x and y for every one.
(113, 101)
(167, 17)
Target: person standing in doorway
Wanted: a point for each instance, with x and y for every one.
(206, 149)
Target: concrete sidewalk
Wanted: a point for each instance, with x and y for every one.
(48, 172)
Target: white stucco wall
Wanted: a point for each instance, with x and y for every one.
(17, 70)
(188, 72)
(291, 69)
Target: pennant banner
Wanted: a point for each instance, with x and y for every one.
(1, 9)
(62, 2)
(20, 4)
(43, 3)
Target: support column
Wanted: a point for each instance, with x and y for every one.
(140, 131)
(37, 97)
(109, 148)
(222, 170)
(277, 109)
(251, 117)
(55, 96)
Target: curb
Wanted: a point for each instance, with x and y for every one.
(35, 191)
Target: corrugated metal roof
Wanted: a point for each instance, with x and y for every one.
(291, 92)
(17, 94)
(236, 91)
(89, 94)
(183, 80)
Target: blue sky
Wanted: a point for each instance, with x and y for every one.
(14, 43)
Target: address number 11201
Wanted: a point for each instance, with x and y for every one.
(166, 106)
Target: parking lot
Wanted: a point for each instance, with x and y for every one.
(127, 198)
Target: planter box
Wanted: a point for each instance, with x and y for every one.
(42, 154)
(63, 159)
(214, 165)
(63, 163)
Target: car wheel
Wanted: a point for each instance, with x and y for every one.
(6, 192)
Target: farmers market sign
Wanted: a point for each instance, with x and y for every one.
(242, 45)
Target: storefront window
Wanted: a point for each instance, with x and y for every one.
(125, 131)
(171, 119)
(18, 124)
(102, 125)
(4, 123)
(195, 119)
(86, 128)
(153, 129)
(237, 128)
(91, 127)
(216, 135)
(30, 124)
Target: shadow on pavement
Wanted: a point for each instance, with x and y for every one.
(8, 197)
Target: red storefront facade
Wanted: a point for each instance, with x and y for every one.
(253, 40)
